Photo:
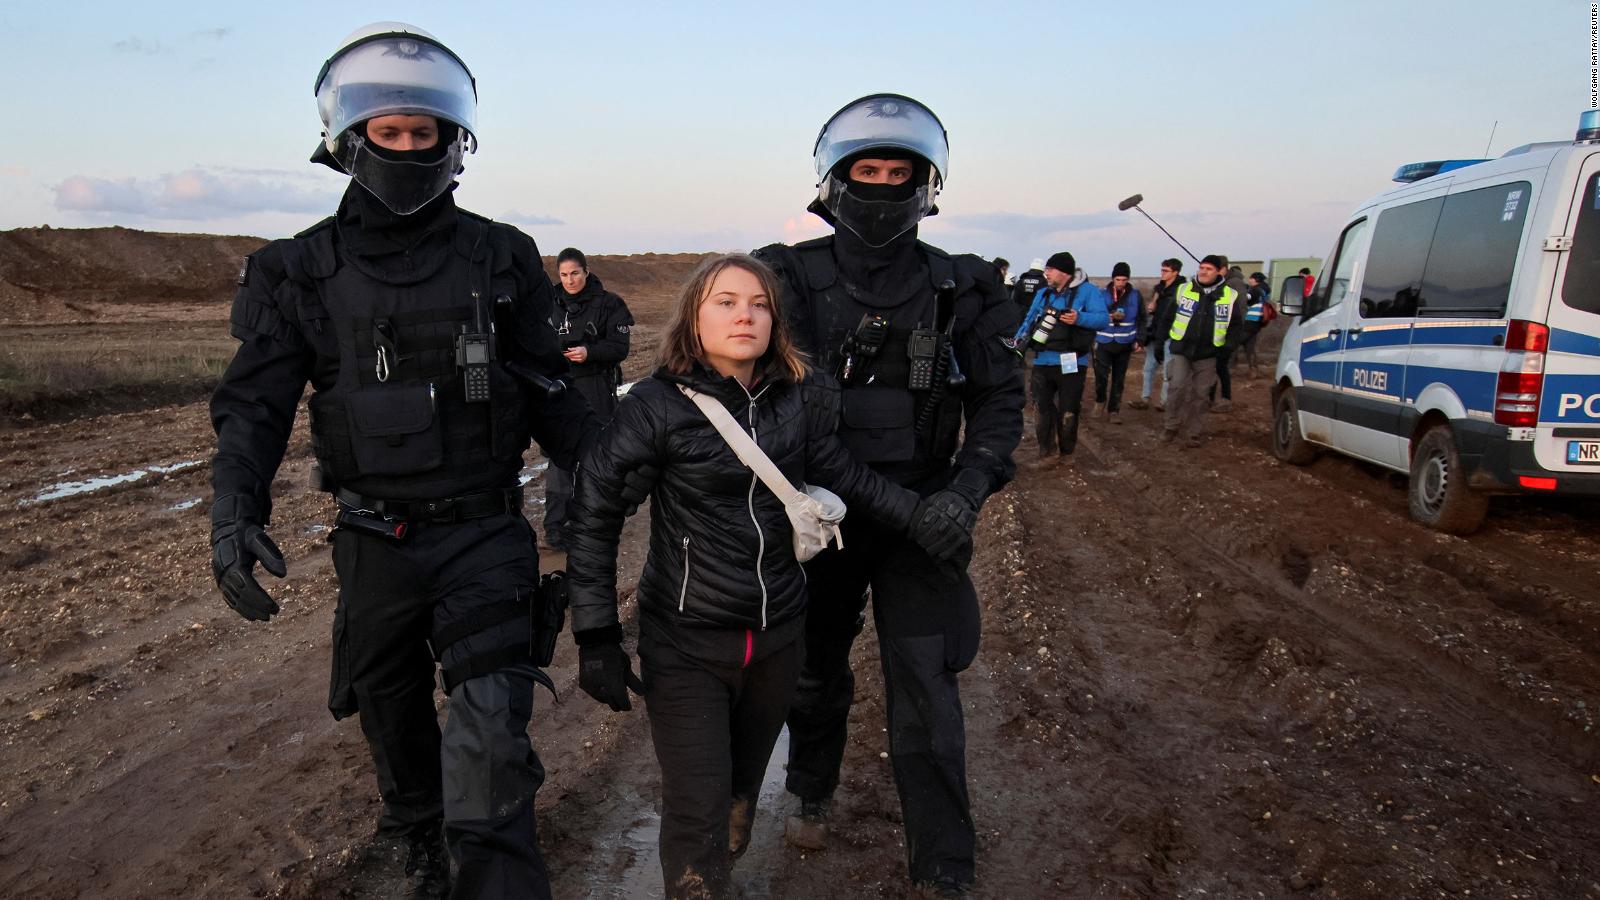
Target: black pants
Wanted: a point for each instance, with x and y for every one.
(1110, 371)
(1224, 374)
(1058, 398)
(481, 775)
(599, 387)
(714, 728)
(558, 484)
(926, 616)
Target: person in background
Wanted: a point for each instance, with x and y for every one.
(1117, 342)
(1155, 344)
(1027, 284)
(1310, 280)
(1235, 280)
(1003, 266)
(595, 329)
(1258, 313)
(1060, 328)
(1201, 324)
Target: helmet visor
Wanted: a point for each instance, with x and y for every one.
(401, 74)
(889, 121)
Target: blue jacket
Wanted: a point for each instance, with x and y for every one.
(1132, 325)
(1090, 302)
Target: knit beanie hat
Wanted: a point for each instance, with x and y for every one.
(1062, 262)
(1122, 269)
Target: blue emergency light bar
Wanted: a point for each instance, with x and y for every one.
(1589, 125)
(1419, 170)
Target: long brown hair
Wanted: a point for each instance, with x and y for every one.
(680, 346)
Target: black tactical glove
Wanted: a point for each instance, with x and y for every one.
(637, 485)
(604, 670)
(238, 542)
(943, 522)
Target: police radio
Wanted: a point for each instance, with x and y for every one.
(923, 349)
(864, 343)
(474, 353)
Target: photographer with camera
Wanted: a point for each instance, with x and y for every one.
(1060, 328)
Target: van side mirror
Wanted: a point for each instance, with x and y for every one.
(1292, 298)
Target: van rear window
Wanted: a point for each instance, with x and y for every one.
(1475, 252)
(1581, 289)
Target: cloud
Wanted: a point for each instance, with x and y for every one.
(215, 34)
(138, 46)
(1022, 223)
(532, 219)
(196, 194)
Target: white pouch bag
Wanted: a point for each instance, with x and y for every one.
(814, 512)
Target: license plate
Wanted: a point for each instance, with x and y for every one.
(1583, 453)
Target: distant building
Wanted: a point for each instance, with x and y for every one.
(1287, 267)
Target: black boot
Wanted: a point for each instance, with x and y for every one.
(427, 866)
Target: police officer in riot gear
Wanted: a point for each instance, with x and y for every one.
(408, 317)
(930, 399)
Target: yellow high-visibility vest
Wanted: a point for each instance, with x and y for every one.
(1189, 298)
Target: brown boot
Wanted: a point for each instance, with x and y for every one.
(741, 818)
(808, 830)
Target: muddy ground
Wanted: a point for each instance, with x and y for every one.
(1204, 674)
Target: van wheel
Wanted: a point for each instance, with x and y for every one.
(1440, 497)
(1287, 442)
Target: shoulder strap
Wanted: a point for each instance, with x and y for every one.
(744, 446)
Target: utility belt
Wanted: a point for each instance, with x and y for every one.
(393, 518)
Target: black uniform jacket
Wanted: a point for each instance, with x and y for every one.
(721, 547)
(599, 321)
(253, 408)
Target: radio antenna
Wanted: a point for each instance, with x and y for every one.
(1492, 130)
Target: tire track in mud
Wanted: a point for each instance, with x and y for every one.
(1300, 662)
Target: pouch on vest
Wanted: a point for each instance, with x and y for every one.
(878, 426)
(393, 429)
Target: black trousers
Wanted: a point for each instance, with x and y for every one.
(927, 621)
(1224, 374)
(600, 389)
(714, 728)
(1110, 372)
(481, 774)
(1058, 398)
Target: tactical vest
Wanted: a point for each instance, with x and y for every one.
(395, 424)
(879, 410)
(1222, 307)
(1255, 311)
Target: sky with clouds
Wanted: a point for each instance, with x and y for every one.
(1251, 128)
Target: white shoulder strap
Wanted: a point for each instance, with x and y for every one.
(744, 446)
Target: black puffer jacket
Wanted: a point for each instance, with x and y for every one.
(721, 548)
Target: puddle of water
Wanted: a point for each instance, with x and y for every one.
(190, 503)
(753, 874)
(63, 489)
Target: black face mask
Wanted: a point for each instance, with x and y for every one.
(403, 180)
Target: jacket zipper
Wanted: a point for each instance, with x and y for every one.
(750, 504)
(683, 592)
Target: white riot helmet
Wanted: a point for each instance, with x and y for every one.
(391, 68)
(900, 126)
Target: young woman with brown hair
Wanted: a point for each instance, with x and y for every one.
(722, 598)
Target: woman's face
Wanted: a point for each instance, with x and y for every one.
(735, 323)
(573, 276)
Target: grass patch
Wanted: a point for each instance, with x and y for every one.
(51, 367)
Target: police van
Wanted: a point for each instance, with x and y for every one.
(1454, 333)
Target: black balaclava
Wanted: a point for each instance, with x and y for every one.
(893, 272)
(369, 227)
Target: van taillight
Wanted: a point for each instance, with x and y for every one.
(1516, 392)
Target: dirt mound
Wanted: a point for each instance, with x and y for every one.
(77, 274)
(123, 274)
